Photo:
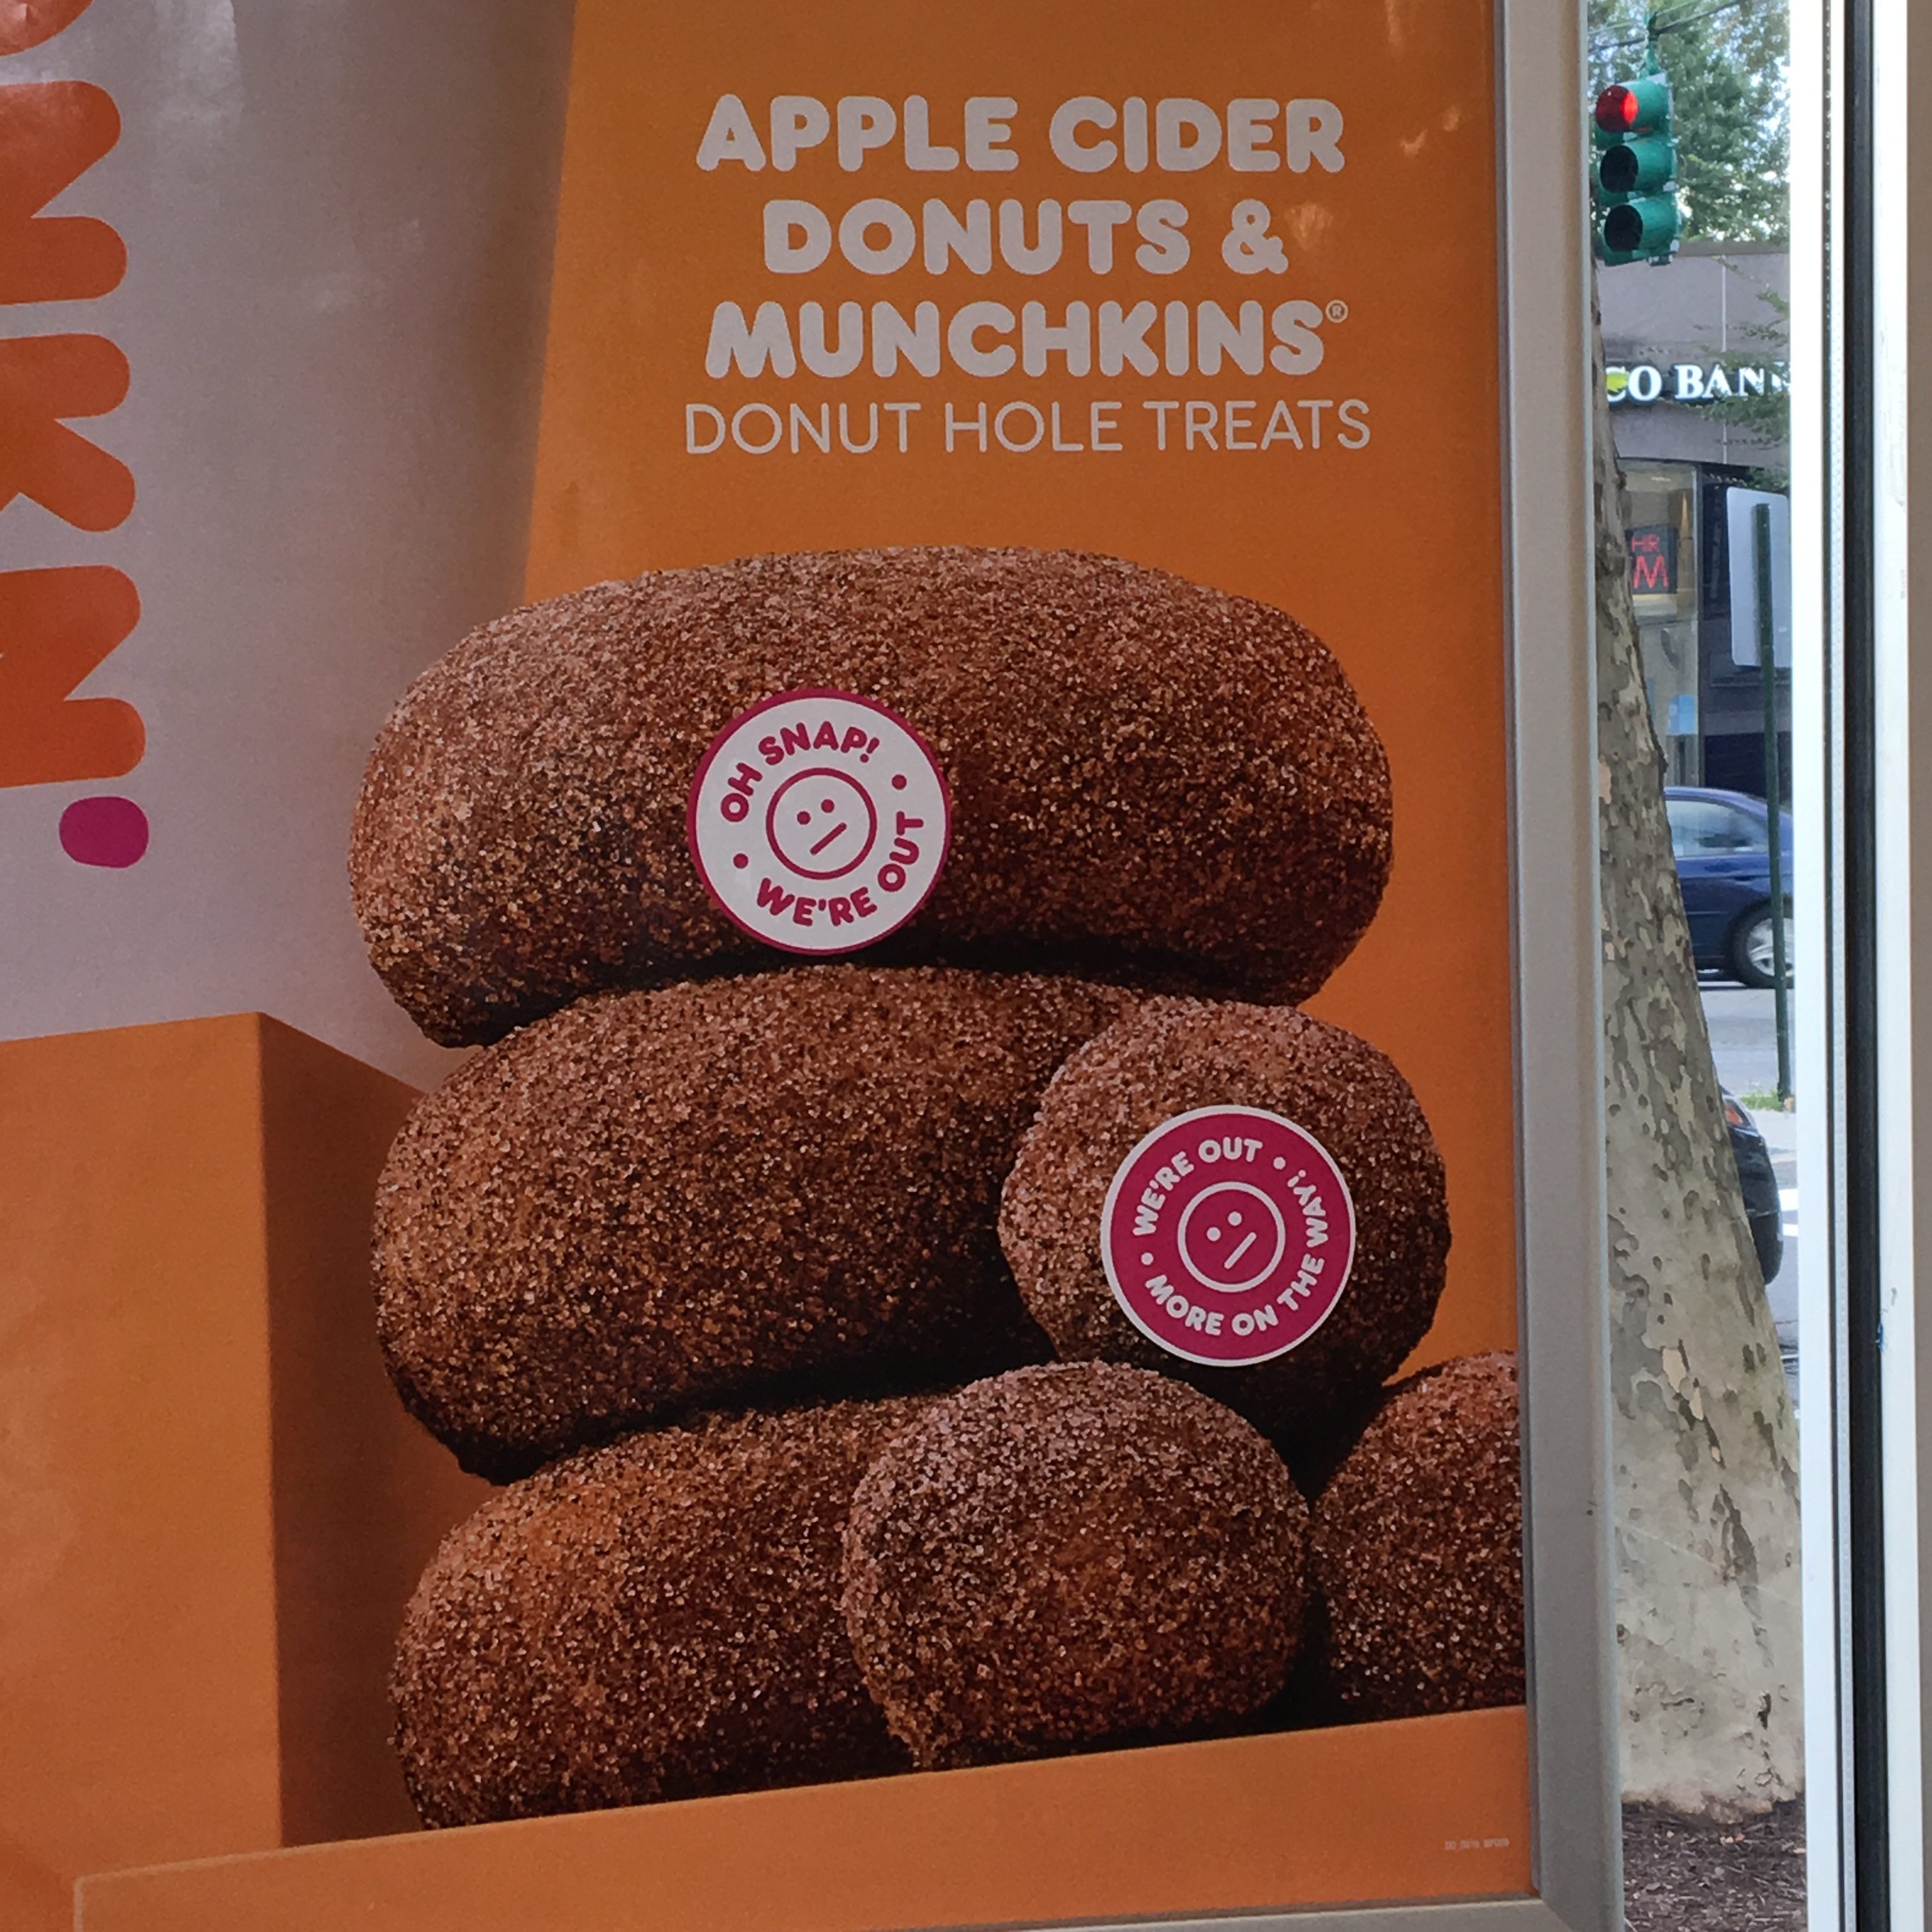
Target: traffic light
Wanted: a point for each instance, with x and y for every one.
(1634, 183)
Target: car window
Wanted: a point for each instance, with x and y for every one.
(1705, 825)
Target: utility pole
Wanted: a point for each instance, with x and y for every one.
(1773, 790)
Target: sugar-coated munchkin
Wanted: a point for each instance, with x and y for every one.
(1063, 1557)
(656, 1619)
(1167, 1057)
(1418, 1548)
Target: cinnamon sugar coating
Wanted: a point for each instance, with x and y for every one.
(1418, 1548)
(716, 1194)
(1152, 781)
(1064, 1557)
(1168, 1057)
(656, 1619)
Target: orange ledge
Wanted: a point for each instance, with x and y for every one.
(1430, 1807)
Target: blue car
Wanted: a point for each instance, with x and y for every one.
(1719, 841)
(1757, 1180)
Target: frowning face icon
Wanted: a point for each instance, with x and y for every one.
(1232, 1236)
(822, 823)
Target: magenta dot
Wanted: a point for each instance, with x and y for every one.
(739, 859)
(804, 818)
(899, 782)
(825, 804)
(111, 832)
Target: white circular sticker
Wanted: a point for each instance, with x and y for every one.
(818, 821)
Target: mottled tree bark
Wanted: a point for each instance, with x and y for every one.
(1704, 1439)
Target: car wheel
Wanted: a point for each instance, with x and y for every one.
(1750, 950)
(1767, 1233)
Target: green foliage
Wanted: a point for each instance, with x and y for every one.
(1767, 418)
(1728, 66)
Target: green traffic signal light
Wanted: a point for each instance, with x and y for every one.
(1640, 165)
(1645, 225)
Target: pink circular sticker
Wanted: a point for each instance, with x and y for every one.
(1227, 1235)
(818, 821)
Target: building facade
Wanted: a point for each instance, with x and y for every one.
(1697, 370)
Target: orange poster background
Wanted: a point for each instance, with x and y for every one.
(1391, 552)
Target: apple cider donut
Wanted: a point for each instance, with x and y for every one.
(706, 1195)
(1151, 781)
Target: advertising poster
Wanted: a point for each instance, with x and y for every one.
(942, 1341)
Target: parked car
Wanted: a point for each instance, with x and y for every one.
(1758, 1180)
(1720, 841)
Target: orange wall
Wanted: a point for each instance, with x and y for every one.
(210, 1503)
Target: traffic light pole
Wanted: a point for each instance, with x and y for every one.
(1774, 803)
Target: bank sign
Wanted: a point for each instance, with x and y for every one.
(1694, 382)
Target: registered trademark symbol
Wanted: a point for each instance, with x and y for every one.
(1338, 311)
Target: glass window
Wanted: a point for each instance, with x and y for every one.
(1707, 825)
(1687, 134)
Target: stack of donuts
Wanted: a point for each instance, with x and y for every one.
(838, 1433)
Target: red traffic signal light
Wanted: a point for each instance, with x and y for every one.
(1617, 109)
(1629, 107)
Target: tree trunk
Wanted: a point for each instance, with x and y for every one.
(1704, 1438)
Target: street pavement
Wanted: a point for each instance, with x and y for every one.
(1743, 1036)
